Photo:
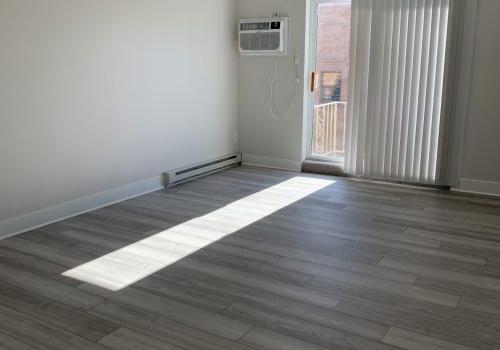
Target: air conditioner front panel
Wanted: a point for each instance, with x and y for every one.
(268, 36)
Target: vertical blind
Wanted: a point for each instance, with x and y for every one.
(397, 69)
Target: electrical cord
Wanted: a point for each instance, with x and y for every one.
(272, 109)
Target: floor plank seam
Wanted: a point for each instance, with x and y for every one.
(328, 327)
(37, 257)
(223, 311)
(148, 336)
(135, 329)
(98, 341)
(20, 340)
(51, 325)
(306, 283)
(96, 305)
(245, 333)
(44, 296)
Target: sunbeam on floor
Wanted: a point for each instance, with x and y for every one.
(130, 264)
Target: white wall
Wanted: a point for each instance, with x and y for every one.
(480, 170)
(264, 140)
(95, 95)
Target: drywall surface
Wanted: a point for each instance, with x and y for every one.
(481, 158)
(96, 95)
(263, 139)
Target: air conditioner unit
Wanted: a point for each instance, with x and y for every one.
(264, 36)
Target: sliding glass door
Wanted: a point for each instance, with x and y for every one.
(378, 87)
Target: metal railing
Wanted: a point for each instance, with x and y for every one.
(329, 129)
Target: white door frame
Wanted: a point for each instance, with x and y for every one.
(310, 66)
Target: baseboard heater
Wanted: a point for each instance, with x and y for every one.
(191, 172)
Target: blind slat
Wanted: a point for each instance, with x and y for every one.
(429, 28)
(415, 101)
(436, 15)
(394, 86)
(438, 91)
(386, 88)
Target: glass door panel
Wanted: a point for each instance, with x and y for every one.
(330, 79)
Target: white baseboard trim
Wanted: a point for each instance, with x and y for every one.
(489, 188)
(270, 162)
(28, 222)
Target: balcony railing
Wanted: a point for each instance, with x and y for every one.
(329, 130)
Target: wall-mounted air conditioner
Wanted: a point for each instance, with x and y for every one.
(264, 36)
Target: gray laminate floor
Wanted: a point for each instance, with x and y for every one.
(258, 259)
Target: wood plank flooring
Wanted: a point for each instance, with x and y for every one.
(355, 265)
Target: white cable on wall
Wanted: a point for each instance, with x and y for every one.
(272, 109)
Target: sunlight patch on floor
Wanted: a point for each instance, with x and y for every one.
(130, 264)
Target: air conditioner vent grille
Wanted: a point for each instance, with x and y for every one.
(261, 41)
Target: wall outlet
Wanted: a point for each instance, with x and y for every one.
(235, 138)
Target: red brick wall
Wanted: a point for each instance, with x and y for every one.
(334, 26)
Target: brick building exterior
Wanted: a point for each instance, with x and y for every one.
(334, 26)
